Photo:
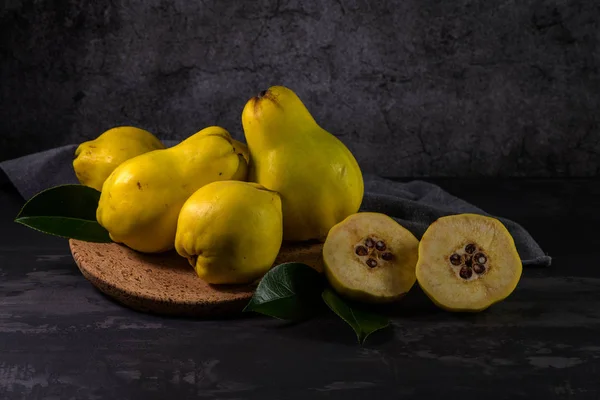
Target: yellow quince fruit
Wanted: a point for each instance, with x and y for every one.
(230, 231)
(96, 159)
(141, 199)
(318, 178)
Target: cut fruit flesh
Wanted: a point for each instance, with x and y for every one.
(371, 258)
(467, 262)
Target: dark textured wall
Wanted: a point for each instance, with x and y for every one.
(413, 87)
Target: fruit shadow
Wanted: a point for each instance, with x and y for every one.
(326, 328)
(417, 306)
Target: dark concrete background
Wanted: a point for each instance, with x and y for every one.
(413, 87)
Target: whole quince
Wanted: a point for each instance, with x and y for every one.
(96, 159)
(318, 178)
(141, 199)
(230, 231)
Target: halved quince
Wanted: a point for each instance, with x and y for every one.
(371, 258)
(467, 262)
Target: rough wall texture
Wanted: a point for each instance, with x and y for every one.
(413, 87)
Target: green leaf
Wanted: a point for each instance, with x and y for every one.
(363, 322)
(289, 291)
(67, 211)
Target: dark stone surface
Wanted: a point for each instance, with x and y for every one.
(415, 88)
(62, 339)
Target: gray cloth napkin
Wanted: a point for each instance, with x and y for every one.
(415, 204)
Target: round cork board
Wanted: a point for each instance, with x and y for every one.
(166, 283)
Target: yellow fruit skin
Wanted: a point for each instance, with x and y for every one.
(141, 199)
(511, 252)
(242, 149)
(230, 231)
(96, 159)
(318, 178)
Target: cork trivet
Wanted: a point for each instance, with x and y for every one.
(166, 283)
